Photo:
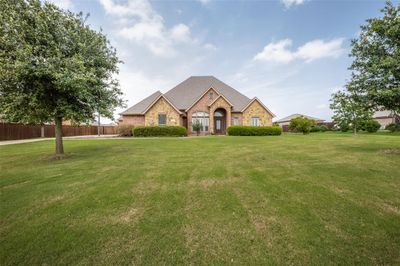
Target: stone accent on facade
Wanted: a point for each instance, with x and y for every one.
(162, 107)
(137, 120)
(256, 110)
(220, 103)
(201, 106)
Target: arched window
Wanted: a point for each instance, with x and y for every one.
(203, 118)
(218, 114)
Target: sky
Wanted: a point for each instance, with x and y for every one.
(291, 54)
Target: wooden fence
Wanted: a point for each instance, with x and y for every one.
(11, 131)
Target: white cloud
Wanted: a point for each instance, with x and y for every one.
(289, 3)
(322, 106)
(277, 52)
(64, 4)
(280, 52)
(204, 2)
(319, 49)
(139, 22)
(210, 46)
(181, 33)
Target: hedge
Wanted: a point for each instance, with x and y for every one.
(393, 127)
(254, 131)
(125, 130)
(159, 131)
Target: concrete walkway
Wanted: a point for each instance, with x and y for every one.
(20, 141)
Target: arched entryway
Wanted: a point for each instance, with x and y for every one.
(220, 121)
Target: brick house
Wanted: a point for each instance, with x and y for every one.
(204, 98)
(386, 117)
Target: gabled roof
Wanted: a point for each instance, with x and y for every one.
(223, 97)
(165, 98)
(383, 113)
(139, 108)
(256, 99)
(290, 117)
(187, 92)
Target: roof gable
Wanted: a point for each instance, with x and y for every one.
(258, 100)
(156, 100)
(138, 108)
(222, 97)
(205, 92)
(290, 117)
(185, 94)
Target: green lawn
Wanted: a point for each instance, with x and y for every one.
(318, 199)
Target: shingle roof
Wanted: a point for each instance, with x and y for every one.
(187, 92)
(383, 113)
(290, 117)
(190, 90)
(142, 105)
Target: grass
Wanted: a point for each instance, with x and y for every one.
(316, 199)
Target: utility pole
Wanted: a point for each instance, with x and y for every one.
(98, 125)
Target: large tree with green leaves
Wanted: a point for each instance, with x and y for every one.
(376, 65)
(53, 67)
(350, 110)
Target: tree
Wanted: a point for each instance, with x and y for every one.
(301, 124)
(376, 65)
(350, 110)
(197, 126)
(53, 67)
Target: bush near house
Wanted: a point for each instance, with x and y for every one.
(393, 127)
(301, 124)
(319, 128)
(125, 130)
(254, 131)
(371, 126)
(160, 131)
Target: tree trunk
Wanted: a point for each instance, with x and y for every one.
(59, 141)
(355, 130)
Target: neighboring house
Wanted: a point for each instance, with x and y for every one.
(204, 98)
(286, 120)
(386, 117)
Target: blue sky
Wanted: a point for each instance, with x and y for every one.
(292, 54)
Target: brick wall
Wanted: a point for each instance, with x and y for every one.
(200, 106)
(136, 120)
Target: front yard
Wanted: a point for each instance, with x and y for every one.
(317, 199)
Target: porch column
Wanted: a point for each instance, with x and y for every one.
(211, 127)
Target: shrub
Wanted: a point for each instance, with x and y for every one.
(319, 128)
(344, 127)
(254, 131)
(393, 127)
(323, 128)
(125, 130)
(371, 126)
(301, 124)
(159, 131)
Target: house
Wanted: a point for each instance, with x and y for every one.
(213, 103)
(386, 117)
(286, 120)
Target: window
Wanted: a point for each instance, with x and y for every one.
(255, 121)
(162, 119)
(203, 118)
(211, 95)
(218, 114)
(235, 121)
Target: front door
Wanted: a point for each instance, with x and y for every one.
(219, 125)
